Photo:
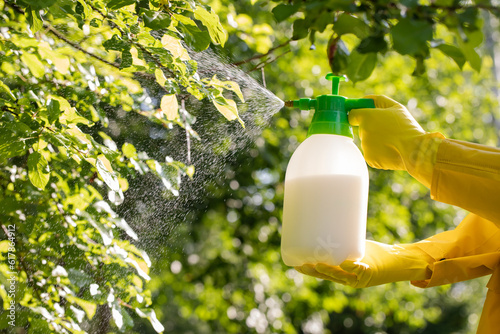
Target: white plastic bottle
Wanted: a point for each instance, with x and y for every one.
(326, 195)
(326, 188)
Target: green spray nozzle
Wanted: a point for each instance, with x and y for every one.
(335, 82)
(331, 110)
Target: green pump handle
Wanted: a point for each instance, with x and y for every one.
(331, 110)
(335, 82)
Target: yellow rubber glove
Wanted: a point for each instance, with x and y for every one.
(382, 264)
(392, 139)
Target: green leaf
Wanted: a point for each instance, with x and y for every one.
(4, 246)
(444, 3)
(117, 4)
(151, 316)
(190, 171)
(469, 17)
(63, 103)
(169, 106)
(410, 3)
(43, 311)
(229, 85)
(227, 108)
(121, 317)
(69, 114)
(211, 21)
(284, 11)
(101, 114)
(129, 151)
(96, 23)
(338, 55)
(156, 20)
(127, 59)
(175, 47)
(473, 58)
(145, 38)
(79, 8)
(135, 29)
(60, 61)
(10, 205)
(453, 52)
(79, 277)
(122, 223)
(34, 19)
(53, 110)
(34, 64)
(109, 178)
(128, 322)
(5, 89)
(38, 170)
(419, 67)
(20, 130)
(410, 37)
(88, 307)
(348, 24)
(87, 10)
(372, 44)
(164, 174)
(467, 44)
(109, 153)
(117, 316)
(195, 38)
(322, 21)
(361, 65)
(474, 38)
(36, 5)
(300, 29)
(160, 77)
(116, 43)
(106, 234)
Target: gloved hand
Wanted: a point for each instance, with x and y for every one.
(381, 264)
(392, 139)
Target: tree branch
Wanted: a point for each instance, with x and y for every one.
(262, 55)
(264, 63)
(59, 35)
(9, 109)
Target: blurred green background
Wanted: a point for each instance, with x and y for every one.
(220, 270)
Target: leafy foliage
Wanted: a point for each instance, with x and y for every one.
(408, 27)
(65, 65)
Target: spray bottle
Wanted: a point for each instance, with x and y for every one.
(326, 186)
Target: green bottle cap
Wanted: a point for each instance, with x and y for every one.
(331, 110)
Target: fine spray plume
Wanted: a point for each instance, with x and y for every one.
(214, 147)
(326, 186)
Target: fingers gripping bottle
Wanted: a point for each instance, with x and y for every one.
(326, 186)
